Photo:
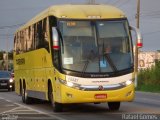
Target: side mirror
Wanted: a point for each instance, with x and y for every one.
(55, 37)
(139, 37)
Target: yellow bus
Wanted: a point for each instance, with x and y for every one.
(76, 54)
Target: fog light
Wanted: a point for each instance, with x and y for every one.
(129, 93)
(70, 84)
(69, 95)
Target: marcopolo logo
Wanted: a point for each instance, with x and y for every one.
(100, 87)
(20, 61)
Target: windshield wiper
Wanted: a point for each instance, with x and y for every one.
(108, 58)
(87, 61)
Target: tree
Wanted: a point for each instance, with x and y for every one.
(10, 55)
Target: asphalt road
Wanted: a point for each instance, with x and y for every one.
(146, 106)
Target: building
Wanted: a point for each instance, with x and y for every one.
(147, 59)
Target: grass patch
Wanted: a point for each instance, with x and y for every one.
(149, 79)
(149, 88)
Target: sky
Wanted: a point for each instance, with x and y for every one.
(14, 13)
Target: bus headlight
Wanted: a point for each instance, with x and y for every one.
(10, 80)
(128, 82)
(69, 84)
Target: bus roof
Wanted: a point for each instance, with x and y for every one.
(78, 12)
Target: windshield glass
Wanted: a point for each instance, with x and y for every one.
(4, 75)
(94, 47)
(114, 45)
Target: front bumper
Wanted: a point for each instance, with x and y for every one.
(6, 85)
(71, 95)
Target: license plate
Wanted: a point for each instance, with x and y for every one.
(3, 84)
(100, 96)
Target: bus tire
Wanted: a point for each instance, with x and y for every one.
(20, 88)
(57, 107)
(114, 105)
(25, 98)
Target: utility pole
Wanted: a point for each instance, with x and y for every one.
(138, 13)
(7, 61)
(136, 47)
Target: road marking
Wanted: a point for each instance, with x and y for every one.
(37, 118)
(20, 110)
(10, 105)
(29, 108)
(59, 118)
(8, 100)
(8, 110)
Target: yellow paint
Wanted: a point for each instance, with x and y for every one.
(78, 12)
(79, 96)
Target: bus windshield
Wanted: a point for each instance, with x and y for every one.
(96, 46)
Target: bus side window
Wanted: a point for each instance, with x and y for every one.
(29, 39)
(39, 35)
(16, 47)
(42, 36)
(45, 34)
(22, 41)
(35, 36)
(26, 40)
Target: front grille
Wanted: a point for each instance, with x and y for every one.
(3, 80)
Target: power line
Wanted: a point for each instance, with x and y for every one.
(91, 2)
(150, 12)
(11, 26)
(123, 3)
(131, 18)
(108, 2)
(114, 3)
(153, 14)
(150, 15)
(146, 15)
(6, 34)
(149, 33)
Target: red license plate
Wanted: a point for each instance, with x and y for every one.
(100, 96)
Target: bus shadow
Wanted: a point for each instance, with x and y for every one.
(87, 108)
(77, 107)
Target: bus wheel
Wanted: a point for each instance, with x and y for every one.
(114, 105)
(25, 98)
(57, 107)
(20, 88)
